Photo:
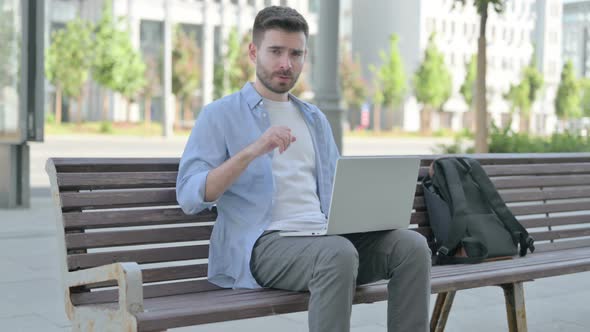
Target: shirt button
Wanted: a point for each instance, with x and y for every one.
(264, 115)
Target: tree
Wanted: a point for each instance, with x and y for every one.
(518, 97)
(585, 96)
(567, 100)
(153, 85)
(390, 81)
(353, 86)
(186, 71)
(300, 87)
(117, 65)
(67, 62)
(481, 123)
(130, 77)
(533, 79)
(467, 89)
(432, 83)
(239, 69)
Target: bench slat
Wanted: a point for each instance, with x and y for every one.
(117, 199)
(562, 245)
(168, 273)
(549, 208)
(560, 234)
(143, 217)
(115, 180)
(540, 181)
(149, 291)
(136, 237)
(538, 169)
(555, 221)
(140, 256)
(535, 194)
(77, 165)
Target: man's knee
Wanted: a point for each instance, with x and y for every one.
(340, 256)
(413, 245)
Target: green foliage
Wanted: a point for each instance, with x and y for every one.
(534, 78)
(67, 59)
(106, 127)
(585, 96)
(390, 77)
(467, 89)
(218, 80)
(238, 68)
(432, 81)
(49, 117)
(117, 65)
(508, 141)
(186, 65)
(518, 97)
(353, 85)
(567, 100)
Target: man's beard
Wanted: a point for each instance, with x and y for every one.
(266, 79)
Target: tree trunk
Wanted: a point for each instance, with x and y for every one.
(425, 120)
(105, 106)
(79, 111)
(377, 119)
(187, 112)
(128, 109)
(481, 126)
(177, 113)
(524, 122)
(58, 102)
(147, 112)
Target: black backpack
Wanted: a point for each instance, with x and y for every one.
(467, 215)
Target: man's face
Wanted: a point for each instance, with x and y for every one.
(279, 59)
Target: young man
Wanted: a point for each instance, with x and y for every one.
(267, 160)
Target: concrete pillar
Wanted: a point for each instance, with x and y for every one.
(14, 176)
(168, 116)
(327, 91)
(208, 52)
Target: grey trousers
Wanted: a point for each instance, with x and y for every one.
(330, 267)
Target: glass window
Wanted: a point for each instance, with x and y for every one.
(10, 41)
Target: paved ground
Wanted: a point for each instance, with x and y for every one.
(31, 295)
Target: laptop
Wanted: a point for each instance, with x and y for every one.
(369, 194)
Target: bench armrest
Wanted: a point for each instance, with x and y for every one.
(127, 275)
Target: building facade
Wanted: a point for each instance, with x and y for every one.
(576, 35)
(208, 21)
(511, 39)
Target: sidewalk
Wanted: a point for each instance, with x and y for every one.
(32, 298)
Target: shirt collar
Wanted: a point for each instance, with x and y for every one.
(253, 98)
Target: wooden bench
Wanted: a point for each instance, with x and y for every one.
(133, 261)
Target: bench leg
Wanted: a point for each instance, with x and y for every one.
(440, 314)
(515, 309)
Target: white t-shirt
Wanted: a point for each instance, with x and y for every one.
(296, 203)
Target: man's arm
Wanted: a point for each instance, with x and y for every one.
(222, 177)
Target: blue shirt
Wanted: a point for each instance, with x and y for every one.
(223, 129)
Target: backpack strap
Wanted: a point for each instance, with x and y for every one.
(476, 252)
(519, 234)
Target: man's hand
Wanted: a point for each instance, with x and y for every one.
(275, 137)
(220, 178)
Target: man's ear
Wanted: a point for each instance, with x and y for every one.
(252, 52)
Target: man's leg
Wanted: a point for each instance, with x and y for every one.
(403, 257)
(326, 266)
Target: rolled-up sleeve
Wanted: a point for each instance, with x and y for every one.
(204, 151)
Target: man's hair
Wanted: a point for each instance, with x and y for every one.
(278, 17)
